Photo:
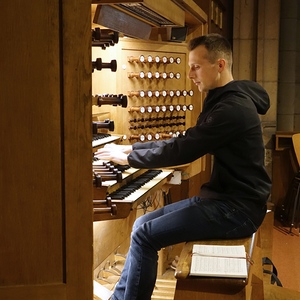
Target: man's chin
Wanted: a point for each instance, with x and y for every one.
(201, 89)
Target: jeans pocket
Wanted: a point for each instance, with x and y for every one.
(245, 228)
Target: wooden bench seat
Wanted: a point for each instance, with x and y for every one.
(213, 288)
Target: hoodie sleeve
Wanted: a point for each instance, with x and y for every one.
(229, 116)
(221, 125)
(151, 145)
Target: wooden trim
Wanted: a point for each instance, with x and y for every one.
(77, 70)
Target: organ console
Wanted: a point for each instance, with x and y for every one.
(157, 109)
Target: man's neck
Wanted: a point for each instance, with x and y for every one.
(225, 78)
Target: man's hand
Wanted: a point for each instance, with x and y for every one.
(123, 148)
(115, 153)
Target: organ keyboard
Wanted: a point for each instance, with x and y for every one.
(136, 186)
(102, 139)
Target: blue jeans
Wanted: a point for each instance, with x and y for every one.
(187, 220)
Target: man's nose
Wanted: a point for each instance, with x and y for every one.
(190, 74)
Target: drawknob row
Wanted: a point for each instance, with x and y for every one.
(155, 75)
(160, 108)
(157, 119)
(163, 93)
(157, 125)
(155, 136)
(156, 59)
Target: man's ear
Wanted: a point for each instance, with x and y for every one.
(221, 64)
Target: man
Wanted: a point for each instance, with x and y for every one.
(233, 203)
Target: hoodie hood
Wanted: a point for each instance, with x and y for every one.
(257, 93)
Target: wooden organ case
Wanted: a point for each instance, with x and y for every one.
(143, 90)
(45, 186)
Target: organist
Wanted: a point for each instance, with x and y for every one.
(233, 203)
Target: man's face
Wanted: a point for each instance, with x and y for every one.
(203, 73)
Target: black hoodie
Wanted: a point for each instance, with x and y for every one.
(229, 128)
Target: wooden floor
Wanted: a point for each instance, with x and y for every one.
(285, 256)
(281, 247)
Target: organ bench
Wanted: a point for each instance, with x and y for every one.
(213, 288)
